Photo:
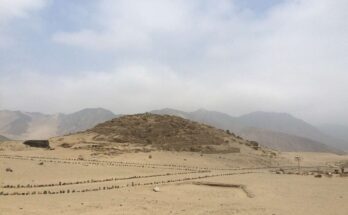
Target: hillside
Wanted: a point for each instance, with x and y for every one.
(27, 125)
(14, 123)
(285, 142)
(82, 120)
(264, 121)
(338, 131)
(285, 123)
(163, 132)
(2, 138)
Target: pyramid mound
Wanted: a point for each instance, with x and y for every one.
(163, 132)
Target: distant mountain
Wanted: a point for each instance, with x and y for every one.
(272, 125)
(285, 123)
(282, 122)
(26, 125)
(17, 125)
(285, 142)
(172, 112)
(277, 130)
(337, 131)
(14, 122)
(2, 138)
(213, 118)
(82, 120)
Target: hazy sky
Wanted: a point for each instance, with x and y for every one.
(128, 56)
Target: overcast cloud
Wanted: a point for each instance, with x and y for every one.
(133, 56)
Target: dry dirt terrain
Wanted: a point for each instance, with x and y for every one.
(80, 177)
(57, 182)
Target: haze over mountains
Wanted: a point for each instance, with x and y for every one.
(26, 125)
(2, 138)
(285, 142)
(279, 131)
(338, 131)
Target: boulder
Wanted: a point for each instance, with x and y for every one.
(156, 189)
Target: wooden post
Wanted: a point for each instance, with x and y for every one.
(298, 159)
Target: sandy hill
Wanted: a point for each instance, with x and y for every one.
(163, 132)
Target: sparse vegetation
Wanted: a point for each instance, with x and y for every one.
(163, 132)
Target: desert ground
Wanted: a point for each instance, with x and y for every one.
(67, 181)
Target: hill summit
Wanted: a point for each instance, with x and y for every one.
(162, 132)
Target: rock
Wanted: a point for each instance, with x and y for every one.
(329, 174)
(156, 189)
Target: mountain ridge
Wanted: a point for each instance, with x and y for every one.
(338, 131)
(278, 123)
(286, 142)
(3, 138)
(29, 125)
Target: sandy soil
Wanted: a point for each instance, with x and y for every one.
(174, 174)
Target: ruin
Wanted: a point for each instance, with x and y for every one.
(37, 143)
(344, 168)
